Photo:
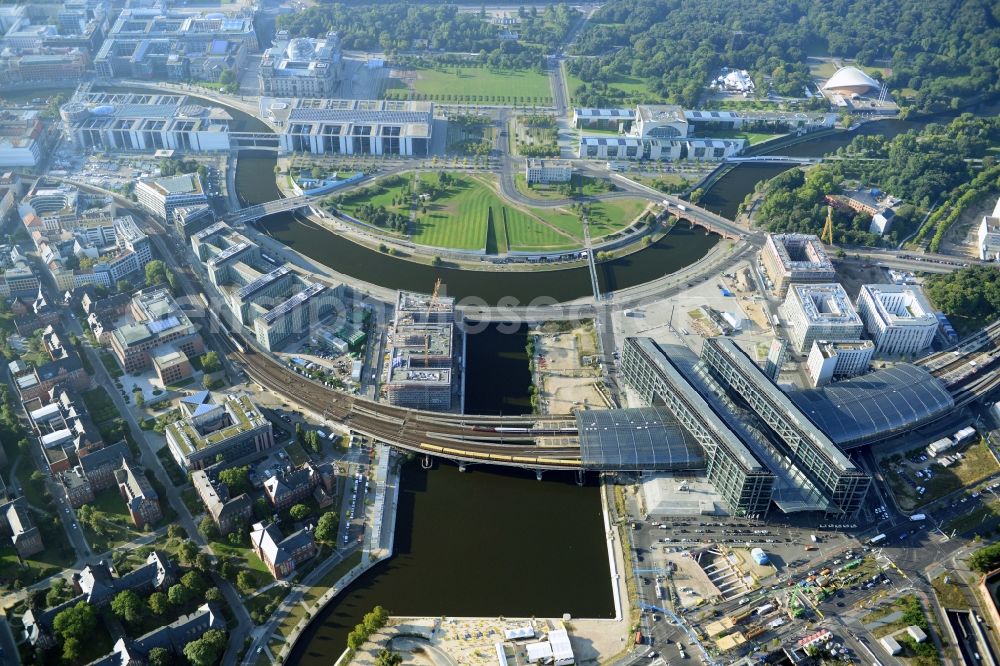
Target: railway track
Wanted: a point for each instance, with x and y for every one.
(463, 438)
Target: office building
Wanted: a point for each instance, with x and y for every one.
(419, 369)
(43, 66)
(189, 220)
(657, 148)
(898, 318)
(819, 312)
(99, 466)
(18, 280)
(158, 321)
(795, 259)
(118, 123)
(168, 59)
(163, 195)
(287, 487)
(834, 360)
(63, 427)
(548, 171)
(350, 126)
(789, 429)
(988, 235)
(776, 356)
(228, 513)
(39, 381)
(604, 119)
(233, 429)
(172, 637)
(301, 67)
(24, 138)
(281, 554)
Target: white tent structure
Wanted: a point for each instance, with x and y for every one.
(851, 80)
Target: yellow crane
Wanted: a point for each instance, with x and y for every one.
(827, 235)
(427, 318)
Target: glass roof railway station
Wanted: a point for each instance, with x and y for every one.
(720, 417)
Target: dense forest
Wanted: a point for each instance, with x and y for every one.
(970, 297)
(919, 167)
(942, 53)
(398, 26)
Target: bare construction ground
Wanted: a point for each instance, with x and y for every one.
(567, 380)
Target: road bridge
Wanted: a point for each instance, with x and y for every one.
(774, 159)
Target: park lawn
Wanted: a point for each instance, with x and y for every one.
(537, 190)
(607, 217)
(458, 220)
(510, 85)
(111, 364)
(564, 219)
(110, 503)
(261, 600)
(969, 521)
(628, 85)
(822, 69)
(384, 198)
(292, 618)
(331, 577)
(526, 233)
(949, 594)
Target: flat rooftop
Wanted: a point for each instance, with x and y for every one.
(800, 252)
(825, 304)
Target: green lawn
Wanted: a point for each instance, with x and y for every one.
(296, 454)
(607, 217)
(481, 84)
(751, 137)
(525, 233)
(111, 364)
(110, 503)
(178, 477)
(628, 85)
(247, 557)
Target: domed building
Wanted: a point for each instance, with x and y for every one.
(851, 81)
(301, 67)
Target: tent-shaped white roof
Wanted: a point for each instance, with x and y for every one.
(850, 77)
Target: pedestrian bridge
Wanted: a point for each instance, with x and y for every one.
(257, 211)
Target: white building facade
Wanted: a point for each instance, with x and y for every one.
(989, 236)
(548, 171)
(898, 318)
(820, 312)
(834, 360)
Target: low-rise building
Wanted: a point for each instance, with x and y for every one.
(77, 487)
(15, 520)
(233, 429)
(819, 312)
(870, 201)
(40, 381)
(189, 220)
(285, 488)
(140, 497)
(99, 466)
(833, 360)
(228, 513)
(172, 637)
(988, 235)
(281, 554)
(898, 318)
(548, 171)
(60, 421)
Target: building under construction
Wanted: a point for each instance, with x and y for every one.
(420, 374)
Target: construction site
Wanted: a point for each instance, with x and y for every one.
(420, 354)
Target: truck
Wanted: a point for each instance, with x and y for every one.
(812, 537)
(638, 638)
(876, 539)
(321, 434)
(918, 517)
(764, 610)
(681, 207)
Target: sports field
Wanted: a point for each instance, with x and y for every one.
(480, 84)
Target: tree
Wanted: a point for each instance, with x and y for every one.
(208, 529)
(128, 606)
(175, 531)
(195, 582)
(55, 592)
(326, 528)
(203, 562)
(388, 658)
(245, 582)
(207, 650)
(179, 595)
(156, 273)
(72, 649)
(159, 656)
(123, 286)
(77, 621)
(159, 603)
(213, 594)
(375, 619)
(299, 512)
(237, 479)
(227, 77)
(210, 362)
(139, 398)
(188, 551)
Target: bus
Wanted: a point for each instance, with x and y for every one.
(617, 166)
(876, 540)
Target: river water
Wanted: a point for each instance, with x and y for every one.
(492, 542)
